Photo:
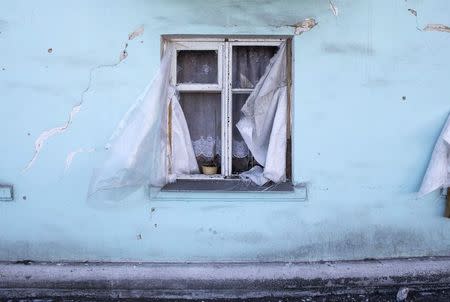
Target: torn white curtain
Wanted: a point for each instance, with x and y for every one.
(263, 125)
(137, 152)
(437, 175)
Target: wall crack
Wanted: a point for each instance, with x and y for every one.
(46, 135)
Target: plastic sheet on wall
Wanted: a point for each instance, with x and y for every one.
(437, 175)
(137, 151)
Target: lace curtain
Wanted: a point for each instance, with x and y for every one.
(204, 118)
(203, 110)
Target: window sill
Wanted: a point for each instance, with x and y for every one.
(229, 185)
(228, 190)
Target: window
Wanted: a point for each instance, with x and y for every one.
(214, 78)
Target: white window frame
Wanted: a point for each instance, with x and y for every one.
(224, 48)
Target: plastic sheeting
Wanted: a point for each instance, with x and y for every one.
(183, 156)
(137, 151)
(438, 171)
(263, 125)
(138, 154)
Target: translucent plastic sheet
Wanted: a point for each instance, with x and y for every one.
(183, 156)
(137, 151)
(264, 123)
(438, 171)
(138, 154)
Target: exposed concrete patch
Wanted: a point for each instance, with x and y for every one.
(71, 156)
(437, 27)
(304, 26)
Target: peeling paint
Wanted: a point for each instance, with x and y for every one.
(39, 143)
(437, 27)
(334, 9)
(138, 32)
(304, 26)
(71, 156)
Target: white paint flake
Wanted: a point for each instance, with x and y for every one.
(71, 156)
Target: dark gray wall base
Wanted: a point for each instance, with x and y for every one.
(222, 280)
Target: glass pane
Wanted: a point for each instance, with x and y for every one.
(242, 158)
(249, 64)
(203, 112)
(197, 66)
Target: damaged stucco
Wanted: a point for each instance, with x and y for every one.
(71, 156)
(39, 143)
(370, 97)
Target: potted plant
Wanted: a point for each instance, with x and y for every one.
(209, 168)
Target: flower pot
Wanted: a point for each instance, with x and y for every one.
(209, 170)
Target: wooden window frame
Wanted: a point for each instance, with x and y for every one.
(224, 47)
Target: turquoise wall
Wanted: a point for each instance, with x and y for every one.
(361, 147)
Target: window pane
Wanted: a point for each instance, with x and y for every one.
(249, 64)
(242, 157)
(203, 112)
(197, 66)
